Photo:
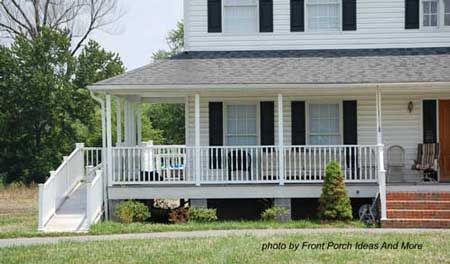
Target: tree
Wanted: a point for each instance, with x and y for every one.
(334, 203)
(169, 118)
(45, 106)
(80, 17)
(175, 41)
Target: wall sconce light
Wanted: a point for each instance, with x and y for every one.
(410, 106)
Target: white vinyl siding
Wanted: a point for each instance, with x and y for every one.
(240, 16)
(380, 23)
(323, 15)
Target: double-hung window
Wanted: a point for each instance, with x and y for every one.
(241, 125)
(240, 16)
(323, 15)
(324, 124)
(435, 13)
(430, 13)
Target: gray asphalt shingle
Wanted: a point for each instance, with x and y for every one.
(294, 67)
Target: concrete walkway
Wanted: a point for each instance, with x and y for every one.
(209, 233)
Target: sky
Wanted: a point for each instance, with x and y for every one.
(142, 30)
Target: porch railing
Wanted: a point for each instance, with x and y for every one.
(240, 164)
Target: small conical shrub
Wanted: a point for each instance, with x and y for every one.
(334, 203)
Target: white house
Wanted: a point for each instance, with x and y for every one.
(273, 91)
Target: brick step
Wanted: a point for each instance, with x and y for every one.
(418, 214)
(415, 223)
(411, 196)
(418, 205)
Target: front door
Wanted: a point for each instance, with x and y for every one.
(444, 139)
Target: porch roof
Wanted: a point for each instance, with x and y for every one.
(363, 66)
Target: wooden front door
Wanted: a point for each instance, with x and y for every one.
(444, 139)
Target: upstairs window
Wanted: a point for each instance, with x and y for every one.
(323, 15)
(446, 12)
(430, 13)
(240, 16)
(435, 13)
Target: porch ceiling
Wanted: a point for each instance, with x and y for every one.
(288, 69)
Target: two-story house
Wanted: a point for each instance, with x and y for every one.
(273, 91)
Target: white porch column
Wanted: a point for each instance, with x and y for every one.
(109, 139)
(126, 115)
(381, 169)
(280, 139)
(118, 122)
(139, 123)
(197, 139)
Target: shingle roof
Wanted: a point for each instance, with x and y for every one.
(293, 67)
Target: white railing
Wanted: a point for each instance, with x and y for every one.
(308, 163)
(94, 192)
(61, 182)
(241, 164)
(153, 164)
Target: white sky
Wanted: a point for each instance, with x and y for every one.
(142, 30)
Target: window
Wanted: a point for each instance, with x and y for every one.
(446, 12)
(430, 13)
(323, 15)
(324, 128)
(241, 125)
(240, 16)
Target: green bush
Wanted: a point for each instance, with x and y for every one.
(334, 203)
(274, 213)
(131, 211)
(202, 215)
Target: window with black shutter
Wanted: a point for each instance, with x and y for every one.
(214, 16)
(266, 15)
(429, 121)
(348, 15)
(412, 15)
(297, 15)
(298, 119)
(215, 134)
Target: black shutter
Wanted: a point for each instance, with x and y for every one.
(297, 15)
(348, 15)
(429, 121)
(298, 118)
(265, 15)
(214, 16)
(412, 14)
(215, 134)
(267, 124)
(350, 122)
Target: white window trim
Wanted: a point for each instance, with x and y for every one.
(306, 14)
(240, 33)
(225, 119)
(307, 117)
(440, 21)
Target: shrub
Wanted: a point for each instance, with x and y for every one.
(334, 203)
(275, 213)
(132, 211)
(179, 216)
(202, 215)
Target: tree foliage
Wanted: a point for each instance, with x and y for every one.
(175, 41)
(334, 203)
(44, 104)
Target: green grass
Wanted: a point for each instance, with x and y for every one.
(242, 249)
(118, 228)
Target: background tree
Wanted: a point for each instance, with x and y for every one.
(169, 118)
(29, 18)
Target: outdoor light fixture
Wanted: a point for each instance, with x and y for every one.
(410, 106)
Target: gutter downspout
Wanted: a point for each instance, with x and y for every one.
(105, 183)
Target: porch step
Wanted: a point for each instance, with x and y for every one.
(416, 223)
(419, 205)
(414, 196)
(417, 210)
(418, 214)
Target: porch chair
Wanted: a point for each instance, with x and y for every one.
(427, 161)
(395, 162)
(239, 165)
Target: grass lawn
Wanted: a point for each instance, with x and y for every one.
(118, 228)
(241, 249)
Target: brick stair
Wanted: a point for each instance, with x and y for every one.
(418, 210)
